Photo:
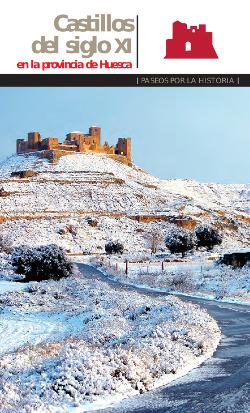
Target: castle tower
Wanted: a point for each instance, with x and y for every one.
(123, 147)
(34, 138)
(74, 136)
(95, 134)
(20, 145)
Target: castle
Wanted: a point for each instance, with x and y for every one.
(190, 43)
(52, 149)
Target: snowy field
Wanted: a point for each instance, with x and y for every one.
(195, 277)
(78, 343)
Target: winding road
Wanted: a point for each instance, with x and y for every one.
(220, 385)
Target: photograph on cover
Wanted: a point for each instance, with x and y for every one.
(124, 250)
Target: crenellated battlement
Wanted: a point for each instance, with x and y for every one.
(51, 148)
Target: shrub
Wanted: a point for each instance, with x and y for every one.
(208, 237)
(114, 247)
(41, 263)
(92, 222)
(181, 281)
(154, 238)
(4, 193)
(5, 244)
(180, 241)
(119, 181)
(62, 231)
(71, 229)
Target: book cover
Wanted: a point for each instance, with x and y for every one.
(124, 207)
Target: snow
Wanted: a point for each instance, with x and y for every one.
(80, 186)
(18, 330)
(6, 286)
(77, 342)
(196, 278)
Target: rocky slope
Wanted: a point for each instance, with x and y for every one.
(84, 200)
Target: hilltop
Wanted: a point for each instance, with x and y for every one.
(85, 199)
(77, 342)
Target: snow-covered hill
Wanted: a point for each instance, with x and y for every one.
(57, 204)
(91, 341)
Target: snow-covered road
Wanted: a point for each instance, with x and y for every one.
(220, 385)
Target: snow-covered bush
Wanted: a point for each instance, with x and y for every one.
(114, 247)
(179, 281)
(92, 222)
(6, 269)
(208, 237)
(41, 263)
(4, 193)
(5, 244)
(154, 239)
(180, 241)
(71, 229)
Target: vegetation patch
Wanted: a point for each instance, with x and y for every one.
(41, 263)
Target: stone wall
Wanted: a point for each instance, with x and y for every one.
(74, 142)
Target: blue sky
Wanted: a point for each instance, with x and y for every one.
(199, 133)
